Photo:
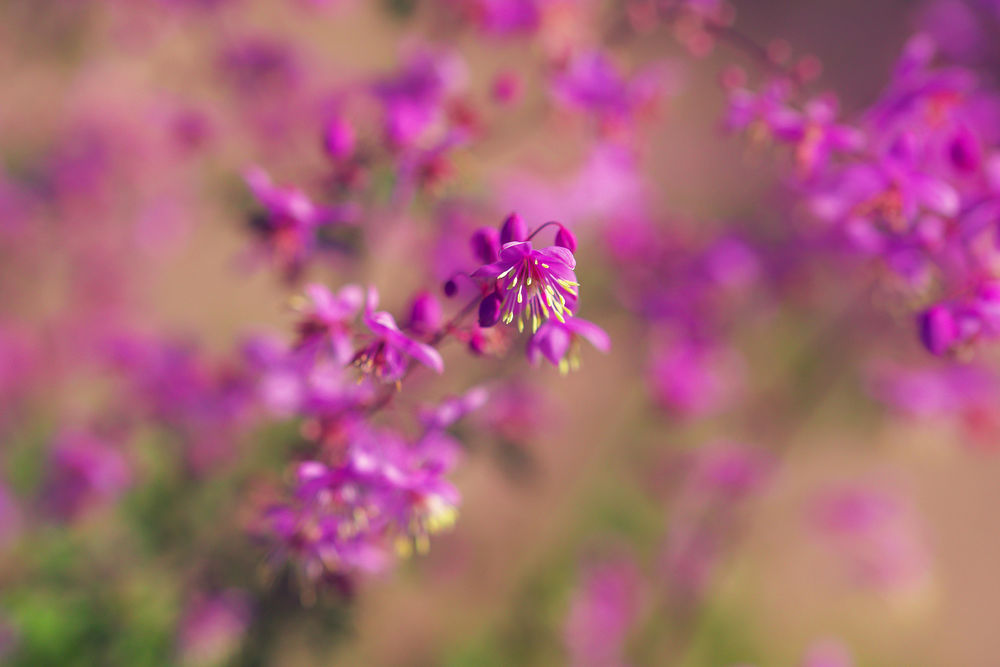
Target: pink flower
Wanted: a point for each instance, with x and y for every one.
(386, 356)
(535, 284)
(327, 319)
(601, 612)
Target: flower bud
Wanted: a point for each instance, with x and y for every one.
(507, 87)
(486, 245)
(938, 329)
(566, 239)
(513, 229)
(338, 138)
(489, 310)
(425, 313)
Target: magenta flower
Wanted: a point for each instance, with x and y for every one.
(559, 342)
(85, 473)
(875, 534)
(288, 227)
(327, 320)
(386, 356)
(382, 491)
(535, 284)
(212, 627)
(696, 379)
(601, 612)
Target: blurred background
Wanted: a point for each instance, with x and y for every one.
(130, 281)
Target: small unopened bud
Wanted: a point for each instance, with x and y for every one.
(513, 229)
(425, 313)
(338, 138)
(477, 344)
(938, 329)
(565, 239)
(486, 245)
(489, 310)
(450, 288)
(507, 87)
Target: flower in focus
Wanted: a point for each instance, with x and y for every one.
(535, 284)
(559, 342)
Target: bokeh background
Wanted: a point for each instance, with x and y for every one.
(135, 124)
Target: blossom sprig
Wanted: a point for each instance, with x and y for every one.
(369, 491)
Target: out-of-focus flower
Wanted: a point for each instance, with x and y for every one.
(696, 379)
(85, 473)
(875, 534)
(326, 321)
(383, 492)
(718, 479)
(601, 612)
(414, 97)
(386, 356)
(212, 628)
(290, 222)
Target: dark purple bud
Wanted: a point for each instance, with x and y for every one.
(938, 329)
(477, 344)
(338, 138)
(450, 288)
(486, 245)
(565, 239)
(513, 229)
(425, 313)
(965, 153)
(489, 310)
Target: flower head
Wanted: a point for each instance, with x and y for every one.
(386, 356)
(535, 284)
(326, 320)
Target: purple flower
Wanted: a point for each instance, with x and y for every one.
(386, 356)
(84, 473)
(592, 82)
(717, 480)
(452, 409)
(326, 321)
(601, 612)
(535, 284)
(382, 491)
(875, 534)
(413, 98)
(212, 627)
(559, 342)
(289, 225)
(696, 379)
